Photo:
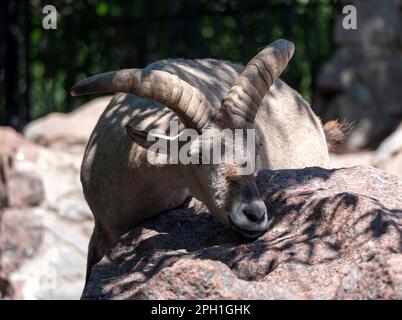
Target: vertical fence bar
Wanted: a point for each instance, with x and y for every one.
(27, 42)
(2, 58)
(240, 14)
(11, 66)
(148, 16)
(195, 41)
(142, 46)
(71, 62)
(288, 20)
(312, 48)
(217, 25)
(266, 21)
(171, 33)
(288, 12)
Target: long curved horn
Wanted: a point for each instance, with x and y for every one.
(163, 87)
(245, 96)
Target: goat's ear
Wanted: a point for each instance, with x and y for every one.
(159, 142)
(154, 140)
(139, 136)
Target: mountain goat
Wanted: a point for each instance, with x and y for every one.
(122, 188)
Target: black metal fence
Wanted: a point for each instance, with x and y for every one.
(37, 66)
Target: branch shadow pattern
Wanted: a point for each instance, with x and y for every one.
(316, 219)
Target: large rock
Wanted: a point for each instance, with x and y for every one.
(20, 236)
(46, 226)
(10, 140)
(60, 173)
(3, 187)
(55, 269)
(45, 229)
(17, 189)
(332, 234)
(60, 130)
(24, 190)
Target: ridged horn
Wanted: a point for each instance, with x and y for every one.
(245, 96)
(186, 101)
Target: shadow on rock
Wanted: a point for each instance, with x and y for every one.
(327, 230)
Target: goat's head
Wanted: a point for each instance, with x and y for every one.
(229, 193)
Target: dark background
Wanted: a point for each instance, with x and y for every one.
(37, 66)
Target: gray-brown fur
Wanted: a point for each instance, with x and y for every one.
(122, 188)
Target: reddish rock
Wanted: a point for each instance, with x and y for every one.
(25, 190)
(333, 234)
(11, 251)
(3, 188)
(43, 193)
(9, 142)
(20, 237)
(379, 278)
(67, 130)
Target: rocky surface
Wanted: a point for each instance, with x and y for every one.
(361, 82)
(21, 234)
(333, 234)
(61, 130)
(45, 227)
(10, 140)
(46, 223)
(56, 267)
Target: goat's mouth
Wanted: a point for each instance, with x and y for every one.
(249, 234)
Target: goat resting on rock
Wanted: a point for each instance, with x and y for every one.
(123, 188)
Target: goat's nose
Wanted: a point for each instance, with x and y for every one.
(255, 212)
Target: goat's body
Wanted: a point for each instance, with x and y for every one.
(123, 189)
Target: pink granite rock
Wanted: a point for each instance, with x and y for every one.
(333, 234)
